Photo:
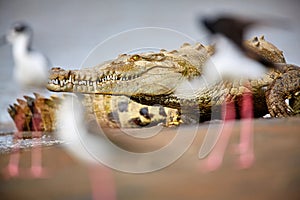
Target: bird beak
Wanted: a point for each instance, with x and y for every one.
(3, 40)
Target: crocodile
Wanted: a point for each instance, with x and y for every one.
(140, 90)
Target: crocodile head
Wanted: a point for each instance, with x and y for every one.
(146, 73)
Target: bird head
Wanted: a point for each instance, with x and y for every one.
(209, 24)
(18, 31)
(232, 27)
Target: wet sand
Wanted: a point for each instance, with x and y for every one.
(275, 174)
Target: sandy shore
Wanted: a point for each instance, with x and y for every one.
(275, 174)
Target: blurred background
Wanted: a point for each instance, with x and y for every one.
(66, 31)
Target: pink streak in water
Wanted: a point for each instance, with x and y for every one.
(36, 170)
(12, 169)
(102, 182)
(215, 158)
(246, 158)
(245, 148)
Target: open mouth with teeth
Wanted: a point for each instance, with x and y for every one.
(87, 81)
(146, 73)
(154, 80)
(127, 75)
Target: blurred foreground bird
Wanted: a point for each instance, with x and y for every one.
(31, 67)
(232, 61)
(86, 147)
(30, 72)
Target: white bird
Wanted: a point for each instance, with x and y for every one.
(30, 72)
(229, 63)
(91, 148)
(31, 67)
(86, 147)
(232, 61)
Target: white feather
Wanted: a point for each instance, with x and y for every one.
(229, 63)
(71, 129)
(31, 67)
(94, 147)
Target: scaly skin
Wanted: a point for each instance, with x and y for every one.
(148, 73)
(151, 79)
(39, 113)
(35, 114)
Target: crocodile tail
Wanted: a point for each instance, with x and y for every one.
(34, 113)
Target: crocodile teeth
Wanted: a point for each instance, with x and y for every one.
(83, 82)
(54, 81)
(93, 79)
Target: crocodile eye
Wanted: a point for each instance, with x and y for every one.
(135, 58)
